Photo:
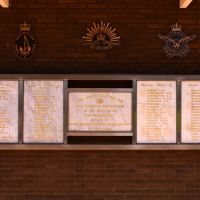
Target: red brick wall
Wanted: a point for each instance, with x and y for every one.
(104, 175)
(59, 25)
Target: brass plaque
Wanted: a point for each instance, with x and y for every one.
(156, 111)
(100, 111)
(43, 112)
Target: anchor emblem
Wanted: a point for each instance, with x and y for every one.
(25, 43)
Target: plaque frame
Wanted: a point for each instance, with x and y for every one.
(157, 143)
(181, 81)
(76, 147)
(63, 112)
(18, 112)
(134, 111)
(100, 133)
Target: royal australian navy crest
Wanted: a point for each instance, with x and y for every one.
(25, 42)
(176, 42)
(101, 36)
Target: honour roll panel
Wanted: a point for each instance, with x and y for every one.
(8, 111)
(156, 112)
(100, 111)
(43, 112)
(190, 115)
(49, 109)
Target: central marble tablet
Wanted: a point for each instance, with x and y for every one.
(100, 111)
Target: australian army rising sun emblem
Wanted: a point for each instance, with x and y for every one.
(25, 42)
(101, 36)
(176, 42)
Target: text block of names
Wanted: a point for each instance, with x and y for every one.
(100, 111)
(156, 112)
(8, 111)
(190, 112)
(43, 112)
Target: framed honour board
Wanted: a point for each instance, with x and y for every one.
(156, 112)
(190, 111)
(100, 112)
(8, 111)
(43, 111)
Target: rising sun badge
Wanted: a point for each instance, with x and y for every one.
(25, 42)
(176, 42)
(101, 36)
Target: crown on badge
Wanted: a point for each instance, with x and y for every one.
(101, 37)
(176, 27)
(25, 27)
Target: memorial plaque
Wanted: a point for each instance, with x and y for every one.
(100, 111)
(156, 111)
(8, 111)
(190, 115)
(43, 112)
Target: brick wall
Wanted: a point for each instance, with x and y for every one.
(103, 175)
(59, 25)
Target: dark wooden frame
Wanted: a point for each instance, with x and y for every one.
(102, 133)
(65, 78)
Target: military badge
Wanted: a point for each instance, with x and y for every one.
(101, 37)
(176, 42)
(25, 42)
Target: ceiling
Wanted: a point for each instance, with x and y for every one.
(183, 3)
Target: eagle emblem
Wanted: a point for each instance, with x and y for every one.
(176, 42)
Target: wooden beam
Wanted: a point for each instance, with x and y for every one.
(185, 3)
(68, 147)
(5, 3)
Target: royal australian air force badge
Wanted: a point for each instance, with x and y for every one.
(25, 42)
(176, 42)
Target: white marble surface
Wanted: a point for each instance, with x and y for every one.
(8, 111)
(100, 111)
(190, 115)
(156, 111)
(43, 112)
